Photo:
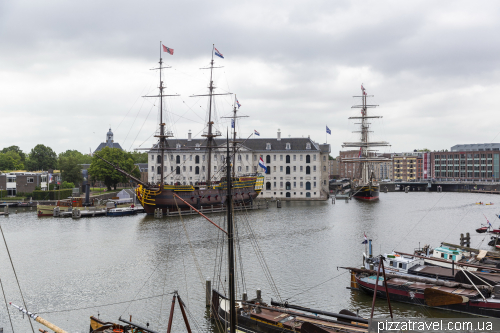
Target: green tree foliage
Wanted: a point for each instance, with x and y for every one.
(42, 158)
(67, 185)
(17, 150)
(11, 160)
(100, 170)
(71, 170)
(81, 158)
(140, 157)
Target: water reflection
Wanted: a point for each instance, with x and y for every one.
(66, 264)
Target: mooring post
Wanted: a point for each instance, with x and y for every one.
(208, 292)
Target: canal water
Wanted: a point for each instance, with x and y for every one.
(71, 269)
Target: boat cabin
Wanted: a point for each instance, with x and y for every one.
(394, 263)
(447, 253)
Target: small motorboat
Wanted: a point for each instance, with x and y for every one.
(121, 211)
(489, 204)
(481, 230)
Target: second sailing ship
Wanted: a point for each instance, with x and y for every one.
(365, 186)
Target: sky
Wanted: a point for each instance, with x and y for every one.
(71, 70)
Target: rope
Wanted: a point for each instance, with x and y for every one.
(190, 244)
(319, 284)
(6, 306)
(416, 224)
(17, 280)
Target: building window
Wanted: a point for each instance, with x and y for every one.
(274, 157)
(287, 170)
(247, 168)
(301, 168)
(308, 145)
(308, 169)
(294, 168)
(203, 168)
(268, 159)
(239, 157)
(281, 157)
(281, 168)
(314, 168)
(268, 186)
(197, 147)
(197, 159)
(178, 170)
(246, 157)
(152, 169)
(301, 184)
(274, 168)
(274, 184)
(288, 147)
(301, 158)
(30, 180)
(308, 159)
(184, 168)
(178, 159)
(178, 146)
(152, 157)
(190, 168)
(268, 146)
(324, 168)
(197, 170)
(294, 184)
(172, 168)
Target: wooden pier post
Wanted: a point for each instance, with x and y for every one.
(208, 292)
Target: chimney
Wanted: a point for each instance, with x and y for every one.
(279, 134)
(189, 135)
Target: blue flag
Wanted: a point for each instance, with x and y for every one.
(232, 123)
(329, 131)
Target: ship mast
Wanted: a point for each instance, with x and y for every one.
(210, 134)
(366, 158)
(162, 144)
(233, 126)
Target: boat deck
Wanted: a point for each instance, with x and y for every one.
(293, 321)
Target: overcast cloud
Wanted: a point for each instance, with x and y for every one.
(69, 70)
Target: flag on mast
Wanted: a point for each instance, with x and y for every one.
(256, 133)
(238, 103)
(366, 240)
(232, 123)
(262, 164)
(329, 131)
(217, 53)
(168, 50)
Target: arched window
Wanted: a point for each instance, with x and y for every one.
(287, 159)
(197, 170)
(178, 170)
(288, 195)
(268, 171)
(158, 170)
(308, 194)
(308, 186)
(268, 186)
(268, 158)
(178, 159)
(288, 186)
(239, 169)
(308, 158)
(308, 170)
(197, 159)
(287, 170)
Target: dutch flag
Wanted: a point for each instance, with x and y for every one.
(256, 133)
(217, 53)
(366, 240)
(262, 164)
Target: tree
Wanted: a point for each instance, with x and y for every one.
(81, 158)
(17, 150)
(140, 157)
(11, 160)
(100, 170)
(71, 170)
(41, 158)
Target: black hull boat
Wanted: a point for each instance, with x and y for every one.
(366, 192)
(255, 316)
(447, 296)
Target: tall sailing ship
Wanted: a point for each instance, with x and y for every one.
(365, 186)
(212, 192)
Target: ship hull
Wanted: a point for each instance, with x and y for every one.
(166, 200)
(405, 294)
(366, 192)
(245, 190)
